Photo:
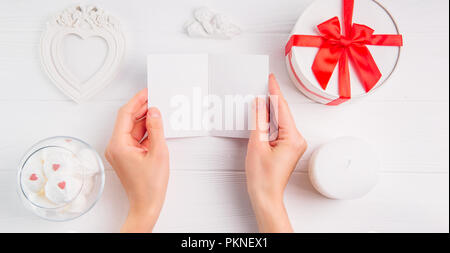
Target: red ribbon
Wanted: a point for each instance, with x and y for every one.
(335, 48)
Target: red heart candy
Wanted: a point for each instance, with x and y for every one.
(62, 185)
(56, 166)
(33, 177)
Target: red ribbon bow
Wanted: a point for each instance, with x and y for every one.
(335, 47)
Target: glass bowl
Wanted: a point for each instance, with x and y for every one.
(60, 178)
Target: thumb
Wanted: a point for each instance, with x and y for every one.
(155, 128)
(285, 119)
(260, 121)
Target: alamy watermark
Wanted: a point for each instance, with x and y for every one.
(227, 112)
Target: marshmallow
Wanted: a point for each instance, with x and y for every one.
(88, 159)
(58, 160)
(69, 144)
(62, 188)
(39, 200)
(88, 185)
(33, 178)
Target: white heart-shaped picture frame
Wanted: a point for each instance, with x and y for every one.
(85, 22)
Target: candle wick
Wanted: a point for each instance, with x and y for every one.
(349, 163)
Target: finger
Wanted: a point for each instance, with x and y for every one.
(141, 112)
(260, 121)
(145, 143)
(283, 113)
(139, 130)
(155, 128)
(127, 114)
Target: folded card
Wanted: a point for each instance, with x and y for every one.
(206, 95)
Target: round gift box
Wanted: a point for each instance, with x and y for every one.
(345, 168)
(300, 59)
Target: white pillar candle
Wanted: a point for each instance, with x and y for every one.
(345, 168)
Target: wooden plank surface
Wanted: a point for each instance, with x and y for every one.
(205, 201)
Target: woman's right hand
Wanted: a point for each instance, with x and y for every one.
(269, 164)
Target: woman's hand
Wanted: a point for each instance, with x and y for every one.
(142, 164)
(269, 164)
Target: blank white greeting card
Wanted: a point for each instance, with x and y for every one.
(206, 95)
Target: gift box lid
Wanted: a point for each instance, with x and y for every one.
(366, 12)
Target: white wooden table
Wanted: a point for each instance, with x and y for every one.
(407, 121)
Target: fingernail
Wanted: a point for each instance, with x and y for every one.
(153, 112)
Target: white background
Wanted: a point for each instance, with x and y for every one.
(407, 121)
